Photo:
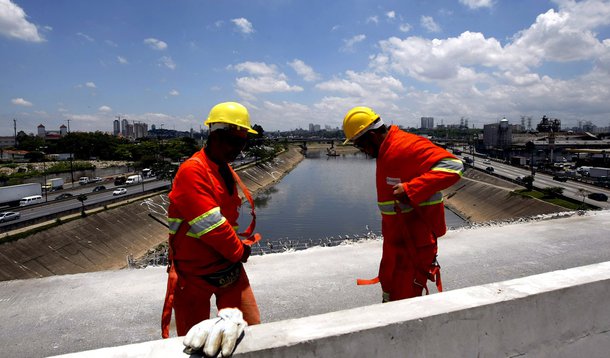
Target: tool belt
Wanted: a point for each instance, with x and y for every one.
(224, 277)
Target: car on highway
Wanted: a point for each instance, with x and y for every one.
(8, 216)
(99, 188)
(119, 191)
(489, 169)
(120, 180)
(598, 196)
(560, 178)
(63, 196)
(95, 180)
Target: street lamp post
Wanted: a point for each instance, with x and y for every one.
(44, 173)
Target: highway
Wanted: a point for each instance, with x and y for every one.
(53, 206)
(541, 180)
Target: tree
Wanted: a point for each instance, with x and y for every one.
(528, 181)
(82, 198)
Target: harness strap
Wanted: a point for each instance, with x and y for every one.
(168, 304)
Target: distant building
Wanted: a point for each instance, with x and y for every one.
(124, 130)
(7, 142)
(427, 122)
(116, 127)
(498, 135)
(51, 135)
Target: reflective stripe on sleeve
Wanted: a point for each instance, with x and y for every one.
(389, 207)
(449, 165)
(206, 222)
(173, 224)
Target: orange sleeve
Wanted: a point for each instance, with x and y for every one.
(437, 170)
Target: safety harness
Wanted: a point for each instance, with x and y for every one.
(434, 271)
(172, 280)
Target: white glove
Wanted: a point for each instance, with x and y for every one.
(217, 333)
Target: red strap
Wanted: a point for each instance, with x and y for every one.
(166, 316)
(435, 276)
(362, 281)
(250, 239)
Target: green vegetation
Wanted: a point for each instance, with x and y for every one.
(553, 195)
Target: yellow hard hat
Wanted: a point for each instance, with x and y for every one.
(230, 113)
(356, 121)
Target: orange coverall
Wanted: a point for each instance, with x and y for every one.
(410, 235)
(202, 217)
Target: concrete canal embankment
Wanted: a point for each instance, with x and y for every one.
(104, 239)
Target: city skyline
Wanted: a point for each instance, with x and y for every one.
(167, 64)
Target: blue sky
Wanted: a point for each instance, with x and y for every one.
(298, 62)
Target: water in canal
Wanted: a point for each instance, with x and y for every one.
(322, 197)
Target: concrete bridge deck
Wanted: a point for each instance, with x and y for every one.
(72, 313)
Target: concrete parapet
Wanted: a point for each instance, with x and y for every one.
(557, 314)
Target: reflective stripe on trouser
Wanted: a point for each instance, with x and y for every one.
(192, 301)
(389, 207)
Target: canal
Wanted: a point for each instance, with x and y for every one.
(322, 199)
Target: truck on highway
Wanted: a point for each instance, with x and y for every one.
(598, 172)
(53, 184)
(133, 179)
(12, 194)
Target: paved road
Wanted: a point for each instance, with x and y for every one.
(62, 314)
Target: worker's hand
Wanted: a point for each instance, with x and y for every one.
(247, 252)
(399, 193)
(217, 334)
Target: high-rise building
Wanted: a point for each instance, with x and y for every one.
(116, 127)
(124, 125)
(427, 122)
(41, 131)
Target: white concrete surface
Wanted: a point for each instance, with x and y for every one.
(72, 313)
(558, 314)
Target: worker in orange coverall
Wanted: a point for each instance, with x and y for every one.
(206, 255)
(411, 172)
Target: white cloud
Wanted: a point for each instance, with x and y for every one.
(303, 70)
(122, 60)
(405, 27)
(168, 62)
(14, 23)
(155, 44)
(263, 78)
(90, 85)
(428, 23)
(243, 25)
(105, 109)
(174, 92)
(111, 43)
(391, 14)
(374, 19)
(21, 102)
(85, 36)
(348, 45)
(476, 4)
(364, 85)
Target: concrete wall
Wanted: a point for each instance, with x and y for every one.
(558, 314)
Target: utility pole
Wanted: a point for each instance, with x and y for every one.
(15, 129)
(71, 159)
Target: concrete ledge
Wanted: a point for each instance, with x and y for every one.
(557, 314)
